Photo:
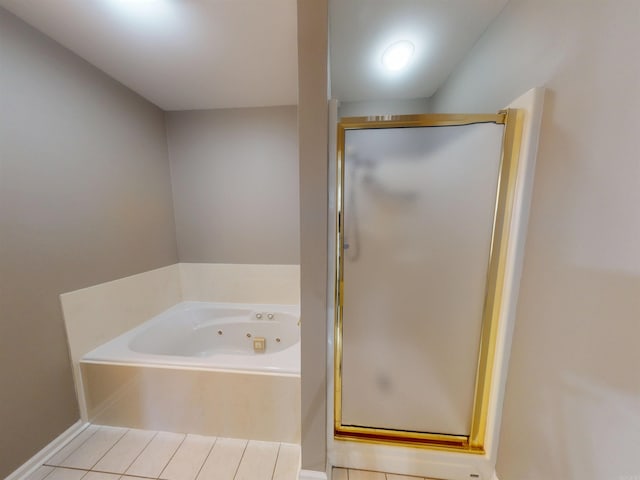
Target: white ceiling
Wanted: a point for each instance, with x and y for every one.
(442, 31)
(199, 54)
(181, 54)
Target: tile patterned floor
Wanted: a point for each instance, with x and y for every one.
(113, 453)
(351, 474)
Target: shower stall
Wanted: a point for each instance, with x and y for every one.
(430, 212)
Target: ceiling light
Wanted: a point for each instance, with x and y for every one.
(398, 55)
(136, 2)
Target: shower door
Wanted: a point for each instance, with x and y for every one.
(422, 205)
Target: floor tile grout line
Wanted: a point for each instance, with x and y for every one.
(126, 474)
(135, 476)
(95, 471)
(66, 468)
(74, 450)
(139, 453)
(93, 467)
(104, 471)
(206, 458)
(120, 476)
(52, 469)
(241, 458)
(126, 430)
(273, 473)
(171, 457)
(72, 468)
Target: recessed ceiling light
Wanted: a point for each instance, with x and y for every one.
(397, 55)
(137, 2)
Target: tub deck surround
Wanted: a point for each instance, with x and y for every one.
(111, 453)
(193, 369)
(208, 335)
(97, 314)
(240, 283)
(260, 405)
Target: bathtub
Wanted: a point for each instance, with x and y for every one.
(208, 335)
(194, 369)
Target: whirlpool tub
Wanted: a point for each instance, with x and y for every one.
(217, 369)
(258, 338)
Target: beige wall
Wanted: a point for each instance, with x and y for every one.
(235, 184)
(572, 405)
(84, 198)
(313, 137)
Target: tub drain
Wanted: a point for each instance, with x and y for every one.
(248, 335)
(219, 332)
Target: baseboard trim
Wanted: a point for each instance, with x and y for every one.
(47, 452)
(312, 475)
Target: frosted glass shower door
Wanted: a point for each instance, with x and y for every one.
(418, 207)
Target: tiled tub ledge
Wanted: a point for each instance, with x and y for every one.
(138, 402)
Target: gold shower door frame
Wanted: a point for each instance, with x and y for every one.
(495, 283)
